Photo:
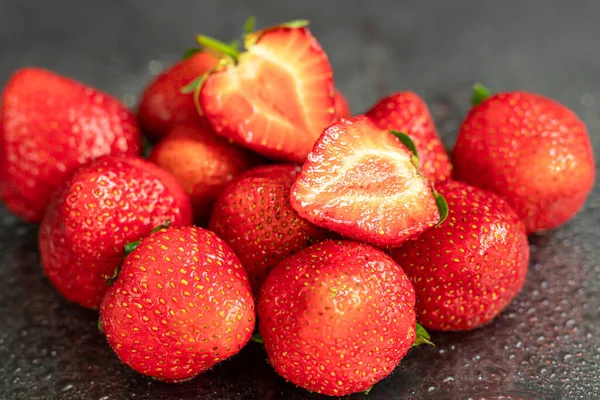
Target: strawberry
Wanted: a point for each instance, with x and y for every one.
(469, 268)
(406, 112)
(276, 97)
(532, 151)
(202, 162)
(50, 126)
(362, 182)
(336, 317)
(180, 304)
(342, 109)
(106, 204)
(254, 216)
(163, 105)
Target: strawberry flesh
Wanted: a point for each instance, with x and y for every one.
(360, 181)
(277, 99)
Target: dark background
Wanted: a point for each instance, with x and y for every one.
(546, 345)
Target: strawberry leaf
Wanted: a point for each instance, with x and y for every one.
(422, 336)
(190, 52)
(410, 145)
(257, 338)
(249, 24)
(480, 93)
(216, 46)
(442, 206)
(191, 87)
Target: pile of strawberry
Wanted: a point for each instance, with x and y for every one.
(333, 235)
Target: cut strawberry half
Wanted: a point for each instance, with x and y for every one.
(276, 97)
(362, 182)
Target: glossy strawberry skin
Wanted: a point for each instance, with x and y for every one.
(406, 112)
(336, 317)
(530, 150)
(254, 216)
(468, 269)
(106, 204)
(181, 304)
(202, 162)
(50, 126)
(277, 99)
(360, 181)
(342, 109)
(163, 105)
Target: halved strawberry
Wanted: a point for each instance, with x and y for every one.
(362, 181)
(276, 97)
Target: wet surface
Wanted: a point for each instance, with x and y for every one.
(544, 346)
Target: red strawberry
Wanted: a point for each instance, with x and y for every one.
(106, 204)
(468, 269)
(276, 98)
(180, 304)
(406, 112)
(202, 162)
(342, 110)
(532, 151)
(163, 105)
(50, 126)
(336, 317)
(254, 216)
(361, 181)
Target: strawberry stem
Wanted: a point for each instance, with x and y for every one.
(217, 46)
(480, 94)
(422, 336)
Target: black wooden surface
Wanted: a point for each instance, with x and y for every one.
(546, 345)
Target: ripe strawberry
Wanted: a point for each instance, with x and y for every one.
(254, 216)
(180, 304)
(406, 112)
(202, 162)
(163, 105)
(532, 151)
(50, 126)
(468, 269)
(276, 98)
(362, 182)
(106, 204)
(336, 317)
(342, 110)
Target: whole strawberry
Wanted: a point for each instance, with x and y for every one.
(202, 162)
(362, 182)
(336, 317)
(105, 205)
(530, 150)
(163, 104)
(406, 112)
(254, 216)
(180, 304)
(274, 98)
(50, 126)
(468, 269)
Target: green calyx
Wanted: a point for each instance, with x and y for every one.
(217, 47)
(442, 206)
(100, 327)
(421, 336)
(480, 94)
(410, 145)
(130, 247)
(257, 338)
